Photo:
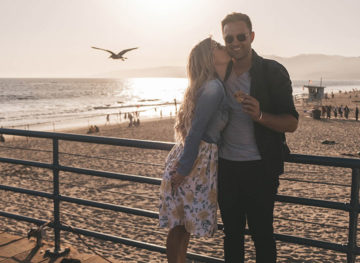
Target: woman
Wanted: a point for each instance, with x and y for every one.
(188, 192)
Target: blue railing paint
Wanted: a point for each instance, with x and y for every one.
(351, 249)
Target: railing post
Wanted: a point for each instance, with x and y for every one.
(353, 215)
(56, 252)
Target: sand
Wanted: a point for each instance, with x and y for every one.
(303, 221)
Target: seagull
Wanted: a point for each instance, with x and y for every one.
(119, 55)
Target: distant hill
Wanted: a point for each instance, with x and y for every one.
(314, 66)
(301, 67)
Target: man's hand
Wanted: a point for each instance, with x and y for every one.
(176, 181)
(251, 106)
(277, 122)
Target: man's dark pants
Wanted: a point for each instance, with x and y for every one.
(247, 194)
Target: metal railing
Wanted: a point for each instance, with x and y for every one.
(351, 249)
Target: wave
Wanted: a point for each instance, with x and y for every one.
(149, 100)
(133, 105)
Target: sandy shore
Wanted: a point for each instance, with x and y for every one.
(310, 222)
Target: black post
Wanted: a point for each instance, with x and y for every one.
(353, 215)
(56, 194)
(56, 252)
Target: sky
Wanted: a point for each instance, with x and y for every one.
(53, 38)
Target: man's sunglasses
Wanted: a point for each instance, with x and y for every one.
(240, 37)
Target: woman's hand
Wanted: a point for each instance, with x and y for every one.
(176, 181)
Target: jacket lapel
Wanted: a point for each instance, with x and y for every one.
(255, 88)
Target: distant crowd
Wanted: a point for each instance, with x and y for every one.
(339, 112)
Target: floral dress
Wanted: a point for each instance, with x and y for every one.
(194, 203)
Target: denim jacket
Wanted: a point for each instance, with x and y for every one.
(210, 118)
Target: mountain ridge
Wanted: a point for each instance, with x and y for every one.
(303, 66)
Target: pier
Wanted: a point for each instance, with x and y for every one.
(350, 249)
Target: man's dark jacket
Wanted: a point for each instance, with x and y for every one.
(271, 86)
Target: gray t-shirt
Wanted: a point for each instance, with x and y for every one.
(238, 139)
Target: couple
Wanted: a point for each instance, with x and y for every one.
(230, 146)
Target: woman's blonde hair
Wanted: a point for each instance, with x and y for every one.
(200, 69)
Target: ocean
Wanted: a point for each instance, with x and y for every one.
(55, 104)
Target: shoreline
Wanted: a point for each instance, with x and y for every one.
(67, 119)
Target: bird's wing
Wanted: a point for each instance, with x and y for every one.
(126, 50)
(104, 50)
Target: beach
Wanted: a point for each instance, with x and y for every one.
(296, 220)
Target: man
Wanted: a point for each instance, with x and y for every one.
(253, 145)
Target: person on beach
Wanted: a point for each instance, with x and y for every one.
(357, 113)
(253, 146)
(188, 192)
(341, 111)
(335, 111)
(107, 119)
(346, 112)
(328, 112)
(323, 111)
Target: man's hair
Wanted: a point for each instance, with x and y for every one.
(236, 17)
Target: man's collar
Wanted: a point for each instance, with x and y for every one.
(255, 62)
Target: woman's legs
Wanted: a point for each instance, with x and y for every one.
(176, 244)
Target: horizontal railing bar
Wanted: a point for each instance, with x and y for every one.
(109, 159)
(293, 158)
(151, 214)
(128, 177)
(23, 218)
(324, 160)
(141, 179)
(280, 198)
(91, 139)
(313, 202)
(315, 243)
(118, 208)
(107, 237)
(280, 237)
(311, 182)
(26, 191)
(302, 221)
(24, 162)
(134, 243)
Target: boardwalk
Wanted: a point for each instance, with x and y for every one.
(15, 249)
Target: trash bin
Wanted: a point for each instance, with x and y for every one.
(316, 113)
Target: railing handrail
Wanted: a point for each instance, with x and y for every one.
(91, 139)
(353, 207)
(159, 145)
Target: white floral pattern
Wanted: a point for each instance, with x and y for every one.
(194, 203)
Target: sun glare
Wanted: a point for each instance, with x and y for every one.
(152, 8)
(156, 88)
(160, 6)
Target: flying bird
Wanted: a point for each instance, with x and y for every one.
(119, 55)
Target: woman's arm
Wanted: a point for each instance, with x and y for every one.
(206, 105)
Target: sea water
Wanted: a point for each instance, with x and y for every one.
(52, 104)
(46, 104)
